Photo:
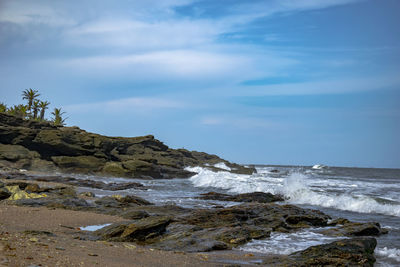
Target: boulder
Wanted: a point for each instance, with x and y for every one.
(348, 228)
(347, 252)
(4, 193)
(135, 214)
(140, 231)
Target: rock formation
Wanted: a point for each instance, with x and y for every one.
(32, 145)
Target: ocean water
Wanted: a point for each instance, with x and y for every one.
(358, 194)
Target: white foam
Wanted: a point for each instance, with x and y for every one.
(222, 165)
(92, 228)
(297, 187)
(284, 243)
(391, 253)
(298, 192)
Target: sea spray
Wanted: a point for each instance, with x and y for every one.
(297, 187)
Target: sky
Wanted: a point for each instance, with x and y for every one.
(290, 82)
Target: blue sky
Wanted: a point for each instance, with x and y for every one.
(273, 82)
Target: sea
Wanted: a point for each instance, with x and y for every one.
(358, 194)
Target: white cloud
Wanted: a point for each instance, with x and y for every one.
(136, 34)
(377, 82)
(33, 12)
(164, 65)
(127, 105)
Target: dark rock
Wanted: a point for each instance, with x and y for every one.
(348, 252)
(79, 163)
(259, 197)
(133, 200)
(16, 152)
(88, 183)
(21, 185)
(33, 188)
(348, 228)
(264, 215)
(141, 230)
(4, 194)
(41, 146)
(135, 214)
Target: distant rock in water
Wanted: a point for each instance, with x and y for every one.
(41, 146)
(259, 197)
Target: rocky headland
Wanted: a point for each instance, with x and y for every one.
(41, 146)
(138, 223)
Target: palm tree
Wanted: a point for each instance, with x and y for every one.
(30, 95)
(19, 111)
(58, 120)
(3, 107)
(36, 106)
(43, 106)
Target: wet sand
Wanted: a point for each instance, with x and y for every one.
(21, 248)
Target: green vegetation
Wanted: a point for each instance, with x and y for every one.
(35, 109)
(57, 117)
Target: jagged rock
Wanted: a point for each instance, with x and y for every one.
(259, 197)
(135, 214)
(345, 227)
(141, 230)
(271, 216)
(79, 163)
(87, 183)
(131, 200)
(41, 146)
(348, 252)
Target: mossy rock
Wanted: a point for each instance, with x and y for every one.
(137, 165)
(16, 152)
(115, 169)
(83, 163)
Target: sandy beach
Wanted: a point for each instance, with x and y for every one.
(46, 237)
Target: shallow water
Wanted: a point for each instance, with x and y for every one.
(354, 193)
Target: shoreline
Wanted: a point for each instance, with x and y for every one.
(45, 231)
(26, 239)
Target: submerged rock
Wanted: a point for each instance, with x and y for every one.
(259, 197)
(344, 227)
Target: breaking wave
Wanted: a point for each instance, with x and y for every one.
(294, 187)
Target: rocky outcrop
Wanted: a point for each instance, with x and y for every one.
(259, 197)
(347, 252)
(139, 231)
(42, 146)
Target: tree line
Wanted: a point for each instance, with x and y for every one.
(35, 109)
